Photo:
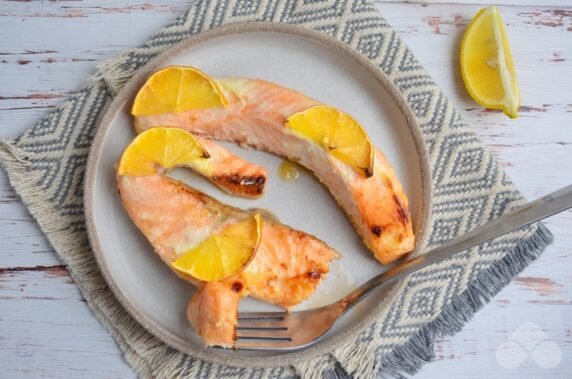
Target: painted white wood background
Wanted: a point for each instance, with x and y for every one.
(47, 49)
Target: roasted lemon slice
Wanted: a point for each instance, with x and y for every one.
(177, 89)
(223, 254)
(486, 63)
(161, 149)
(338, 133)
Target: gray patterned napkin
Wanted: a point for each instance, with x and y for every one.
(46, 166)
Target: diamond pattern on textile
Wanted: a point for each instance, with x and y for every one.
(469, 186)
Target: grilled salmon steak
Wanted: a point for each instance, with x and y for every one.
(286, 268)
(162, 149)
(254, 114)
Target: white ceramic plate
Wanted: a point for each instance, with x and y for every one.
(321, 68)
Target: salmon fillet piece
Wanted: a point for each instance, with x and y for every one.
(286, 269)
(254, 117)
(230, 173)
(213, 312)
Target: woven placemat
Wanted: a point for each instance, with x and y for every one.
(46, 166)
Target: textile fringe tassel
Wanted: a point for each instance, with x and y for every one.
(114, 73)
(15, 161)
(326, 367)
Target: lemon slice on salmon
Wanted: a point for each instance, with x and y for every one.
(161, 149)
(338, 133)
(223, 254)
(486, 63)
(177, 89)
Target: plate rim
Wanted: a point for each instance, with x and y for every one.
(208, 354)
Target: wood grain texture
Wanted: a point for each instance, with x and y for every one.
(49, 48)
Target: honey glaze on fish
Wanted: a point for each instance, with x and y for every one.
(288, 170)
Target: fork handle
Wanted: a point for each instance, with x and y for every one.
(536, 210)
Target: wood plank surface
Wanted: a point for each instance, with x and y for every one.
(47, 50)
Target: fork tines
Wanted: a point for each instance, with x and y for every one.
(255, 327)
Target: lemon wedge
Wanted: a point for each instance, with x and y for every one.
(223, 254)
(161, 149)
(177, 89)
(338, 133)
(487, 65)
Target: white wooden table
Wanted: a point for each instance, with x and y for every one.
(47, 49)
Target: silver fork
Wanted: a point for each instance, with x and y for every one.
(283, 331)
